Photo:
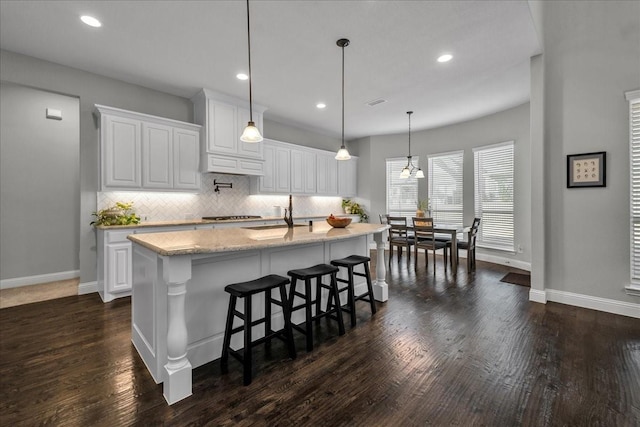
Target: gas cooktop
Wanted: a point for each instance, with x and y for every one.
(229, 217)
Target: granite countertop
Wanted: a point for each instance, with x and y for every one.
(239, 239)
(203, 221)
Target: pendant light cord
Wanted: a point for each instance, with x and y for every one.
(249, 49)
(343, 97)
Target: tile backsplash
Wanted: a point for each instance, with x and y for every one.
(158, 206)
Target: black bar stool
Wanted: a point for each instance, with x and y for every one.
(246, 290)
(349, 263)
(306, 274)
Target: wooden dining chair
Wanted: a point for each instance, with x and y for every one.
(425, 239)
(399, 236)
(470, 245)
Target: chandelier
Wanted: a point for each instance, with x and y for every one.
(410, 168)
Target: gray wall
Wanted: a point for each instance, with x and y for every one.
(39, 183)
(512, 124)
(91, 89)
(281, 132)
(591, 57)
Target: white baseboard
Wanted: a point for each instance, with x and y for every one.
(40, 278)
(522, 265)
(538, 296)
(586, 301)
(595, 303)
(87, 288)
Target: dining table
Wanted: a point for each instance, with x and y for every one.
(452, 231)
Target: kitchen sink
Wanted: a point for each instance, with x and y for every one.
(273, 226)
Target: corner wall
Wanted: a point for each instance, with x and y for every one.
(508, 125)
(591, 57)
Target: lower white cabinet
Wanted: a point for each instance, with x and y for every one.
(115, 270)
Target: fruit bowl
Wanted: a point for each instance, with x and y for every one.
(337, 222)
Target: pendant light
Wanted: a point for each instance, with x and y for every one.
(251, 132)
(343, 153)
(410, 168)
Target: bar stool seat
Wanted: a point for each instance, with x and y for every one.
(246, 290)
(306, 275)
(350, 263)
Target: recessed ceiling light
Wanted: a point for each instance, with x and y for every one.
(242, 76)
(321, 105)
(445, 58)
(91, 21)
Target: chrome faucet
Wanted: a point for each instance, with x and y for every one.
(289, 220)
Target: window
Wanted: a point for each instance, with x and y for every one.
(634, 168)
(445, 188)
(493, 185)
(402, 194)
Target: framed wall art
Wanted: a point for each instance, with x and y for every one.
(587, 170)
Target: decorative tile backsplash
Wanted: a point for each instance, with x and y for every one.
(156, 206)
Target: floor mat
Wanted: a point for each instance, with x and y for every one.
(517, 279)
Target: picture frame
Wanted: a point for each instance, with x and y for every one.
(587, 170)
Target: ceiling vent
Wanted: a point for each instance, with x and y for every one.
(376, 102)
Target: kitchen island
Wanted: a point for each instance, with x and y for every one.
(179, 305)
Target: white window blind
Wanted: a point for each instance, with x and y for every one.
(402, 194)
(493, 185)
(445, 188)
(634, 131)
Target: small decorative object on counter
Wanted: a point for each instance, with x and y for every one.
(337, 222)
(120, 214)
(354, 208)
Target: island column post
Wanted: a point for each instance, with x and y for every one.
(176, 272)
(380, 288)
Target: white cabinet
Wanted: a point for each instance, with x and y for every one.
(119, 267)
(348, 177)
(303, 172)
(115, 269)
(327, 174)
(277, 169)
(224, 119)
(121, 152)
(157, 157)
(143, 152)
(294, 169)
(186, 146)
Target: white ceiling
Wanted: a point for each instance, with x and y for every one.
(179, 47)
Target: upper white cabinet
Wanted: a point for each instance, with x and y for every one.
(290, 168)
(348, 177)
(327, 173)
(143, 152)
(223, 119)
(121, 152)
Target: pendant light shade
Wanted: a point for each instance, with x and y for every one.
(343, 153)
(410, 168)
(251, 132)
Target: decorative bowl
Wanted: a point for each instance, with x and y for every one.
(338, 222)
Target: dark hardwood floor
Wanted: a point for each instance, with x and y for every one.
(444, 350)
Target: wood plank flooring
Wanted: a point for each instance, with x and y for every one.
(462, 350)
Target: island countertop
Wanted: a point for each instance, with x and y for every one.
(240, 239)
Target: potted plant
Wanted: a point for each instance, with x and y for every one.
(354, 208)
(423, 207)
(120, 214)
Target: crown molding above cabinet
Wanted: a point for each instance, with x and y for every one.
(223, 119)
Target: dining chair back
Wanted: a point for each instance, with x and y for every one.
(470, 244)
(399, 236)
(425, 239)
